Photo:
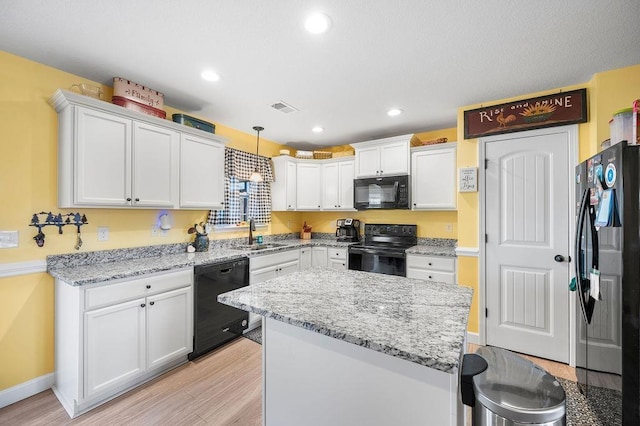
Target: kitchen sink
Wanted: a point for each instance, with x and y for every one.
(258, 246)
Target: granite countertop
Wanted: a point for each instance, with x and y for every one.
(98, 269)
(92, 267)
(419, 321)
(430, 250)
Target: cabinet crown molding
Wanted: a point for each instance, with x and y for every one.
(383, 141)
(62, 99)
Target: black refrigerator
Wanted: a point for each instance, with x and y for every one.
(607, 284)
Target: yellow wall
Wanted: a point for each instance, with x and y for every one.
(430, 224)
(607, 92)
(28, 184)
(615, 90)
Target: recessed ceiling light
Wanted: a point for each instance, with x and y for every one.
(209, 75)
(393, 112)
(317, 23)
(317, 129)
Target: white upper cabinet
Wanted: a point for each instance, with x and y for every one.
(312, 184)
(433, 177)
(382, 157)
(113, 157)
(308, 186)
(120, 162)
(283, 189)
(337, 184)
(154, 166)
(201, 184)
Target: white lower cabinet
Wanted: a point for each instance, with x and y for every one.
(337, 258)
(113, 336)
(319, 256)
(305, 258)
(431, 268)
(114, 345)
(269, 266)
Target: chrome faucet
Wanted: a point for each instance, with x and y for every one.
(252, 227)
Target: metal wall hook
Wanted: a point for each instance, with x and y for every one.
(58, 220)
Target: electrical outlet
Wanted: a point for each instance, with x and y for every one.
(8, 239)
(103, 233)
(449, 227)
(155, 230)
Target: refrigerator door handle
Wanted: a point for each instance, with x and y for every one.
(582, 215)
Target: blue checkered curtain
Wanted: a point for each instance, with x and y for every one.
(238, 166)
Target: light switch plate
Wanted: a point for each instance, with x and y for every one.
(9, 239)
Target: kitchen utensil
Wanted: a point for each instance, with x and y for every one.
(78, 239)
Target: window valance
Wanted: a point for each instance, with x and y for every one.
(241, 164)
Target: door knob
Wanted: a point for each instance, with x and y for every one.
(561, 258)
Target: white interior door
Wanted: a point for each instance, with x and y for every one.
(527, 225)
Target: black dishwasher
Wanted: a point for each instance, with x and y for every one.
(214, 323)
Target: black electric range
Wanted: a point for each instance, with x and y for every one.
(383, 249)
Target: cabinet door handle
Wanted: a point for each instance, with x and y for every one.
(142, 305)
(429, 276)
(148, 286)
(429, 263)
(129, 199)
(152, 303)
(137, 199)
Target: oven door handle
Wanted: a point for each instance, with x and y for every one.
(359, 250)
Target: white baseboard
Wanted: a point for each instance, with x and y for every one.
(473, 338)
(25, 390)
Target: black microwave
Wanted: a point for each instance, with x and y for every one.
(388, 192)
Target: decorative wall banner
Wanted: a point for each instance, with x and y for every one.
(544, 111)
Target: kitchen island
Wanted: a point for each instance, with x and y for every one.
(350, 347)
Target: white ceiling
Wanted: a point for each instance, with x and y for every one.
(425, 57)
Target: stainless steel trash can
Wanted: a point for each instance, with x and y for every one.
(513, 391)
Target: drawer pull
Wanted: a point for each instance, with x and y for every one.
(429, 263)
(148, 286)
(429, 276)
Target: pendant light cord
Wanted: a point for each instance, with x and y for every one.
(258, 129)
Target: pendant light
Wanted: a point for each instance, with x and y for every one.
(256, 176)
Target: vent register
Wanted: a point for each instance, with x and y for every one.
(283, 107)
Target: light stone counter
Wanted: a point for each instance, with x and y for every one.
(419, 321)
(92, 267)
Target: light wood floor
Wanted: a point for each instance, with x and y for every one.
(220, 388)
(554, 368)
